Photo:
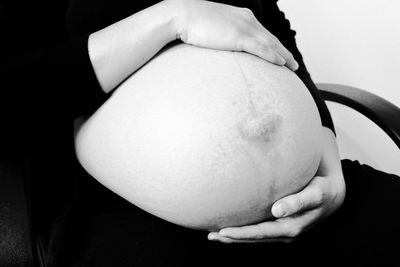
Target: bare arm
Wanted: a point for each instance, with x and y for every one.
(121, 48)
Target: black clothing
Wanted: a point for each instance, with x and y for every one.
(47, 81)
(102, 229)
(47, 77)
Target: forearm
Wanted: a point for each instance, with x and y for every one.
(123, 47)
(330, 161)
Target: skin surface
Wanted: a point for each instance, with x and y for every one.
(213, 141)
(120, 49)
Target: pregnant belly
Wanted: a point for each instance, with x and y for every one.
(203, 138)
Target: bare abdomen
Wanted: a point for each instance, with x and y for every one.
(203, 138)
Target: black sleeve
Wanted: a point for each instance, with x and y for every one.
(45, 76)
(53, 82)
(274, 20)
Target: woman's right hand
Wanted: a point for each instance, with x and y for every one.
(224, 27)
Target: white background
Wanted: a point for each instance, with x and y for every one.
(354, 43)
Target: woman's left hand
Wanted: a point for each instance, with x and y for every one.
(299, 212)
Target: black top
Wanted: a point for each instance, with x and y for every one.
(47, 80)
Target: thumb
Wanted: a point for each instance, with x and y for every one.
(310, 197)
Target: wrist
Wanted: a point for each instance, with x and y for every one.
(330, 160)
(167, 15)
(176, 11)
(121, 48)
(159, 21)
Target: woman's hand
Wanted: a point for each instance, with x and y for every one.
(301, 211)
(123, 47)
(225, 27)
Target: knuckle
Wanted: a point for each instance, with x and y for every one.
(247, 16)
(298, 204)
(256, 46)
(247, 11)
(260, 47)
(293, 232)
(285, 229)
(258, 233)
(268, 41)
(183, 36)
(273, 44)
(319, 196)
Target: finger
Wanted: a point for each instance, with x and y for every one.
(291, 63)
(261, 49)
(270, 229)
(300, 223)
(289, 227)
(227, 240)
(310, 197)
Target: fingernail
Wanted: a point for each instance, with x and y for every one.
(279, 210)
